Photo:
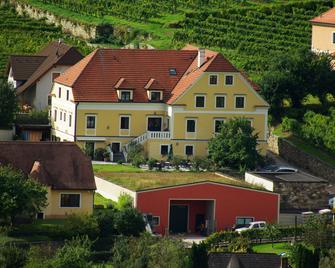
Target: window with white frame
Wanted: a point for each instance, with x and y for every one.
(155, 96)
(244, 220)
(70, 120)
(126, 95)
(239, 102)
(190, 125)
(220, 101)
(59, 92)
(200, 101)
(164, 149)
(55, 115)
(69, 200)
(213, 79)
(60, 115)
(90, 121)
(189, 150)
(124, 122)
(218, 124)
(67, 94)
(229, 80)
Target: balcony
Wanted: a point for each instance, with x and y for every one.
(158, 135)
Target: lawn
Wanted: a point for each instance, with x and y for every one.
(100, 200)
(98, 168)
(152, 179)
(267, 248)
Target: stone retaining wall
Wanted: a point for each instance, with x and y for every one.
(292, 154)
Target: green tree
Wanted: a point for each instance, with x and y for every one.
(8, 104)
(129, 221)
(328, 260)
(272, 232)
(317, 232)
(19, 195)
(235, 146)
(239, 244)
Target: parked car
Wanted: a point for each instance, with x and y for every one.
(252, 225)
(279, 169)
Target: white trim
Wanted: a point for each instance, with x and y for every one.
(63, 193)
(193, 150)
(129, 125)
(88, 138)
(149, 106)
(244, 101)
(154, 116)
(261, 112)
(120, 143)
(225, 101)
(217, 119)
(217, 79)
(120, 91)
(229, 85)
(95, 124)
(160, 149)
(158, 91)
(195, 125)
(195, 101)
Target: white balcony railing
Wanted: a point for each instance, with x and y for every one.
(159, 135)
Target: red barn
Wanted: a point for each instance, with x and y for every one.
(189, 208)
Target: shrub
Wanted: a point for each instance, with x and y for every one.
(151, 163)
(201, 163)
(40, 256)
(129, 221)
(78, 225)
(12, 257)
(106, 222)
(328, 260)
(290, 125)
(303, 257)
(239, 244)
(199, 255)
(176, 162)
(75, 253)
(124, 201)
(99, 154)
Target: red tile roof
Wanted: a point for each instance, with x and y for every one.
(327, 17)
(96, 77)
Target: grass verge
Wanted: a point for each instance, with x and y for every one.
(277, 248)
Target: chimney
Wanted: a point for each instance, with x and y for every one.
(201, 57)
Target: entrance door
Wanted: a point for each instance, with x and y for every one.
(178, 219)
(154, 124)
(115, 147)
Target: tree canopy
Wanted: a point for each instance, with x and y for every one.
(8, 104)
(235, 145)
(19, 195)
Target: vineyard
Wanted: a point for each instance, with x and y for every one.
(21, 35)
(248, 32)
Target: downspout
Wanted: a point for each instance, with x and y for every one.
(75, 123)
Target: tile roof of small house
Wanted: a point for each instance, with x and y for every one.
(60, 165)
(55, 53)
(95, 78)
(327, 17)
(23, 66)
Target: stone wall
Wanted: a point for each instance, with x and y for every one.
(301, 195)
(294, 155)
(85, 31)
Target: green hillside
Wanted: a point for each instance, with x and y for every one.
(21, 35)
(248, 32)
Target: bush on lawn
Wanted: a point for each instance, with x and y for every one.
(12, 257)
(151, 163)
(106, 222)
(79, 225)
(176, 162)
(99, 154)
(239, 245)
(290, 125)
(129, 221)
(203, 163)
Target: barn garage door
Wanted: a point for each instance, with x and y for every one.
(178, 219)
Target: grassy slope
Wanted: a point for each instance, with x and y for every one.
(267, 248)
(100, 200)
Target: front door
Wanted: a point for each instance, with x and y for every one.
(178, 219)
(115, 147)
(154, 124)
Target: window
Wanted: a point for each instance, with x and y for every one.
(155, 221)
(164, 149)
(244, 220)
(60, 115)
(70, 120)
(155, 96)
(200, 101)
(124, 122)
(213, 79)
(229, 80)
(217, 125)
(190, 125)
(64, 117)
(90, 121)
(67, 94)
(189, 150)
(173, 71)
(70, 200)
(59, 92)
(239, 102)
(55, 115)
(125, 96)
(220, 101)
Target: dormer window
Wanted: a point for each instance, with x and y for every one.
(125, 95)
(173, 71)
(155, 96)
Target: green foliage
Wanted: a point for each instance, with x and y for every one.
(12, 257)
(303, 257)
(33, 117)
(40, 256)
(75, 253)
(235, 146)
(124, 201)
(176, 161)
(239, 244)
(272, 232)
(201, 163)
(8, 104)
(290, 125)
(317, 232)
(136, 155)
(79, 225)
(129, 221)
(99, 154)
(106, 222)
(199, 255)
(151, 163)
(19, 195)
(328, 260)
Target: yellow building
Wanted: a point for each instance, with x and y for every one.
(323, 32)
(62, 167)
(161, 99)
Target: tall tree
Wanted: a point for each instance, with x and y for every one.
(8, 104)
(235, 145)
(19, 195)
